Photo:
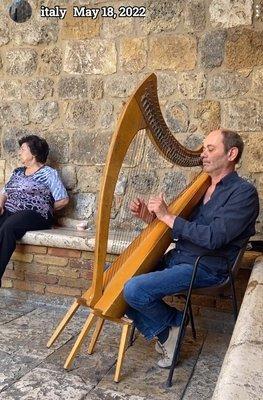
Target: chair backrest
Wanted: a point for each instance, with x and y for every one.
(238, 259)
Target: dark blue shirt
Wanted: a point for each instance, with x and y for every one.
(223, 223)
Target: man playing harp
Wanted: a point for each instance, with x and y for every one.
(223, 220)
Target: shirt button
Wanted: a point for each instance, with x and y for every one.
(178, 251)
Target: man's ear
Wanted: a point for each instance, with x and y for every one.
(232, 153)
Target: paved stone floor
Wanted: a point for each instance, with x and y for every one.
(29, 370)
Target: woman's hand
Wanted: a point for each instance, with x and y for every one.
(3, 199)
(2, 209)
(60, 203)
(140, 210)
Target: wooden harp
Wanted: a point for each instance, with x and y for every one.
(104, 297)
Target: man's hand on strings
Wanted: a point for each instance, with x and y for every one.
(140, 210)
(158, 206)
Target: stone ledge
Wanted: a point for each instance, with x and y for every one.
(68, 238)
(241, 373)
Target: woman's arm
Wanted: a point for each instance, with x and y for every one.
(60, 203)
(3, 198)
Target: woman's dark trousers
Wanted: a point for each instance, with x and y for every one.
(12, 227)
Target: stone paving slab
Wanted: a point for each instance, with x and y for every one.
(29, 371)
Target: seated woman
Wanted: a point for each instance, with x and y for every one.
(29, 198)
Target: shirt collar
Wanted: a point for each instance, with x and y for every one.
(229, 178)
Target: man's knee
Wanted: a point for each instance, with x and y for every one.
(133, 292)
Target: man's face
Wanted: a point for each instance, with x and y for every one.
(213, 155)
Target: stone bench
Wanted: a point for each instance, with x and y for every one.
(60, 261)
(241, 373)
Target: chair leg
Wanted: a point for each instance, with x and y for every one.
(63, 322)
(182, 327)
(192, 320)
(122, 348)
(95, 335)
(131, 341)
(234, 299)
(88, 324)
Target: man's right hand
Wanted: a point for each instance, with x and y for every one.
(140, 210)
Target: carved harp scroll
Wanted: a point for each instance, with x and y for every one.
(142, 111)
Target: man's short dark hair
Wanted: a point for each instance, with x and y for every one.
(37, 145)
(233, 139)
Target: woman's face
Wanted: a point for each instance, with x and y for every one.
(25, 154)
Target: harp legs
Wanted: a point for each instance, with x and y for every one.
(84, 331)
(126, 324)
(74, 307)
(122, 348)
(96, 333)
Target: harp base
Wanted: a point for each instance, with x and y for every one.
(93, 316)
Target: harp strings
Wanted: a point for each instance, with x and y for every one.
(135, 167)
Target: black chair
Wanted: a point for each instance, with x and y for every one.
(216, 290)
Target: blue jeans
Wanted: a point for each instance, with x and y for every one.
(144, 295)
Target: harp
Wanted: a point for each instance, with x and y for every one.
(104, 297)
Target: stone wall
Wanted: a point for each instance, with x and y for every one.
(68, 80)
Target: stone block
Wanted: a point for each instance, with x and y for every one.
(70, 253)
(133, 54)
(73, 283)
(64, 272)
(173, 183)
(26, 258)
(191, 86)
(107, 115)
(10, 146)
(253, 153)
(38, 88)
(22, 62)
(88, 178)
(73, 28)
(208, 115)
(172, 52)
(10, 90)
(74, 87)
(94, 56)
(244, 49)
(4, 30)
(194, 15)
(163, 15)
(211, 48)
(229, 13)
(51, 61)
(25, 248)
(243, 115)
(257, 82)
(30, 286)
(177, 116)
(7, 283)
(39, 278)
(68, 176)
(228, 84)
(32, 268)
(62, 290)
(44, 112)
(120, 86)
(84, 147)
(167, 83)
(83, 205)
(82, 113)
(51, 260)
(119, 27)
(86, 255)
(59, 145)
(143, 181)
(11, 112)
(35, 32)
